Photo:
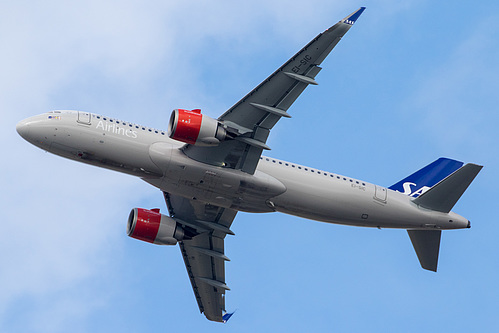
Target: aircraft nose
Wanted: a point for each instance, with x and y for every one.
(22, 128)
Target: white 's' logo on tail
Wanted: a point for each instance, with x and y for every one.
(417, 193)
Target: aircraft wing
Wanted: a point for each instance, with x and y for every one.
(255, 114)
(204, 254)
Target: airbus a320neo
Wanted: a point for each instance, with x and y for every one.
(209, 169)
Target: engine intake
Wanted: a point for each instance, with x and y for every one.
(153, 227)
(190, 126)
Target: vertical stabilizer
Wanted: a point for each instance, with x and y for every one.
(423, 179)
(427, 245)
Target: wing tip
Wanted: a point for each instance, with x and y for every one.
(350, 19)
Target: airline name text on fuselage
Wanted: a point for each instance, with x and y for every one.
(114, 128)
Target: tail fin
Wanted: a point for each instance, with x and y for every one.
(423, 179)
(441, 198)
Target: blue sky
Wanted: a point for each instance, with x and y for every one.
(410, 82)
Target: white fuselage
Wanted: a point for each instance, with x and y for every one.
(275, 186)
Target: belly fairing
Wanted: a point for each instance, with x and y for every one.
(219, 186)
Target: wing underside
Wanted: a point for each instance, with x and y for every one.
(249, 122)
(204, 254)
(252, 118)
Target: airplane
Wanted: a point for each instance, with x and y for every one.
(209, 169)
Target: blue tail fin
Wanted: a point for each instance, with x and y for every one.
(423, 179)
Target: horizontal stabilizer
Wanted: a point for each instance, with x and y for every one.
(426, 243)
(443, 196)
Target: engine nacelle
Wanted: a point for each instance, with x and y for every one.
(153, 227)
(190, 126)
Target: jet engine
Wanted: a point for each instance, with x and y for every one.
(153, 227)
(190, 126)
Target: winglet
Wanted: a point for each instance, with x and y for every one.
(227, 316)
(350, 19)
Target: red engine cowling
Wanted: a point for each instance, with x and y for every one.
(190, 126)
(153, 227)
